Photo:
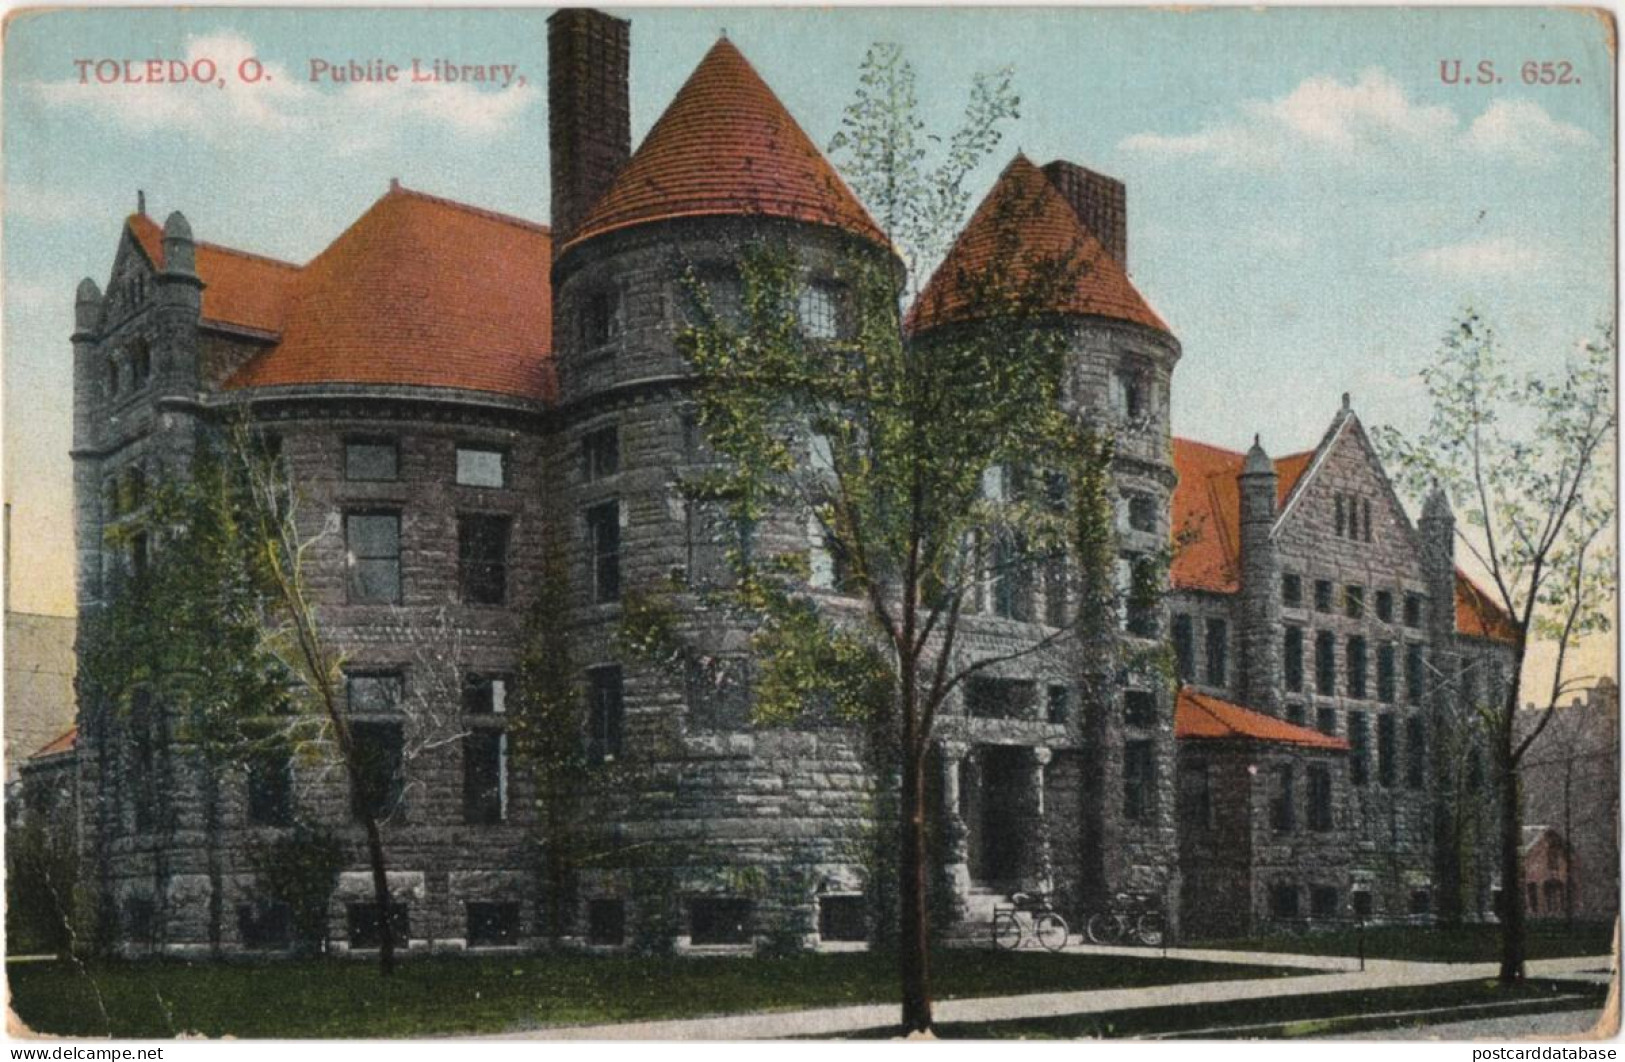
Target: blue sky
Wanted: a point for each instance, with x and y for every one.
(1309, 204)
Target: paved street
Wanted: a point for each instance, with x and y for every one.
(1338, 974)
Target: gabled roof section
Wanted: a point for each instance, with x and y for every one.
(1206, 513)
(1199, 717)
(726, 146)
(65, 742)
(1025, 230)
(423, 292)
(1478, 615)
(240, 289)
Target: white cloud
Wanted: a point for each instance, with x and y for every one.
(345, 119)
(1365, 121)
(1522, 130)
(1482, 259)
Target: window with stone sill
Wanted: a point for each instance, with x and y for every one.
(1356, 666)
(482, 466)
(603, 525)
(606, 716)
(1387, 749)
(1292, 590)
(843, 919)
(1323, 595)
(1413, 610)
(1292, 659)
(1218, 652)
(1283, 806)
(1284, 901)
(1326, 721)
(1359, 749)
(719, 920)
(1139, 708)
(485, 777)
(602, 318)
(380, 781)
(492, 925)
(366, 925)
(1295, 714)
(270, 788)
(1385, 606)
(1130, 394)
(1196, 795)
(486, 694)
(1059, 705)
(1320, 798)
(1325, 663)
(606, 923)
(1387, 674)
(371, 459)
(1139, 781)
(1184, 647)
(1323, 901)
(1354, 601)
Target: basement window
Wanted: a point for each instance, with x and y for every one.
(719, 921)
(493, 925)
(842, 919)
(606, 923)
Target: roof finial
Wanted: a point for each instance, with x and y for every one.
(1345, 400)
(394, 184)
(140, 201)
(725, 33)
(1256, 441)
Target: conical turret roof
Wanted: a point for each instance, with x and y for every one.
(1022, 228)
(726, 146)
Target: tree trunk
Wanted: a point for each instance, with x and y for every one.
(380, 891)
(1512, 917)
(915, 944)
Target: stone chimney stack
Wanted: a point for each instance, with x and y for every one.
(1438, 527)
(1100, 202)
(589, 111)
(1260, 621)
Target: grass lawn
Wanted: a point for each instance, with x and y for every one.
(1470, 943)
(1287, 1017)
(487, 994)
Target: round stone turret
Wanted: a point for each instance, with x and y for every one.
(87, 306)
(1260, 616)
(180, 253)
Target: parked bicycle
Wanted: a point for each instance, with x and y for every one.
(1133, 919)
(1029, 916)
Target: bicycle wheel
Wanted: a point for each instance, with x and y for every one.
(1006, 932)
(1103, 928)
(1150, 929)
(1051, 931)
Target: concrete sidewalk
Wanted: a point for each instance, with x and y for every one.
(834, 1021)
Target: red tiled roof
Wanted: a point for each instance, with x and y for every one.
(243, 289)
(1478, 615)
(1198, 716)
(1022, 229)
(727, 146)
(65, 743)
(1206, 513)
(420, 291)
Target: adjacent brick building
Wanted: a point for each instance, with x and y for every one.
(451, 387)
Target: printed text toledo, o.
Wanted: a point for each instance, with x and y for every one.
(204, 70)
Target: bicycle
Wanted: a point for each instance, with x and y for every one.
(1030, 916)
(1133, 919)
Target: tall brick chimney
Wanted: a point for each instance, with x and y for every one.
(589, 115)
(1101, 203)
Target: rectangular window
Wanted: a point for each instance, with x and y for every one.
(1294, 714)
(1413, 610)
(1140, 612)
(379, 780)
(1128, 393)
(482, 558)
(1012, 578)
(1283, 901)
(606, 923)
(482, 466)
(1325, 664)
(485, 694)
(371, 459)
(270, 788)
(1323, 595)
(1386, 740)
(1361, 901)
(1365, 518)
(1055, 592)
(485, 777)
(1320, 798)
(267, 924)
(606, 714)
(1060, 704)
(1385, 606)
(600, 453)
(1139, 781)
(373, 557)
(818, 311)
(1326, 721)
(1422, 901)
(1387, 674)
(367, 928)
(1292, 590)
(1356, 666)
(1218, 649)
(1354, 601)
(378, 693)
(1000, 698)
(1196, 795)
(493, 925)
(842, 918)
(1340, 520)
(1416, 752)
(1142, 512)
(1359, 749)
(719, 693)
(1292, 659)
(719, 921)
(1139, 707)
(604, 542)
(1184, 648)
(141, 919)
(600, 318)
(1415, 681)
(1283, 808)
(1323, 901)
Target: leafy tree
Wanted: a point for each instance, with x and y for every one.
(1525, 459)
(925, 470)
